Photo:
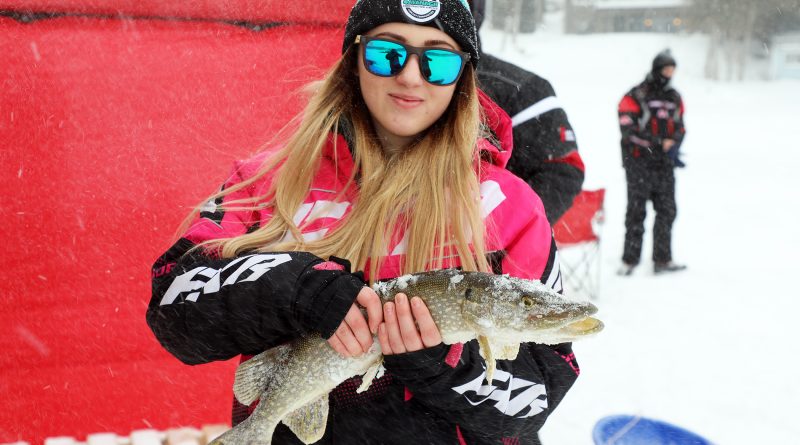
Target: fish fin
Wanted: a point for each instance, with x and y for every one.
(381, 370)
(309, 421)
(253, 376)
(507, 352)
(370, 376)
(252, 431)
(485, 349)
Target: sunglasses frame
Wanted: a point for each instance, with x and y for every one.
(363, 40)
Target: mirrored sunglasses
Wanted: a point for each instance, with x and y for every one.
(387, 58)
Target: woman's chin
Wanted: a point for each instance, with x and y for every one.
(407, 130)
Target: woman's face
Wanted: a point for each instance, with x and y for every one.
(405, 105)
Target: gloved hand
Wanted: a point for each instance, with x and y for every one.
(674, 154)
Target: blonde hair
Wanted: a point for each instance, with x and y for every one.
(430, 191)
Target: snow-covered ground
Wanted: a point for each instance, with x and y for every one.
(712, 349)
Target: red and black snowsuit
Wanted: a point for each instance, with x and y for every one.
(204, 308)
(545, 149)
(649, 113)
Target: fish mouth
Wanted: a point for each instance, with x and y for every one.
(581, 328)
(590, 309)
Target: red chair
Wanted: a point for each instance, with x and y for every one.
(577, 235)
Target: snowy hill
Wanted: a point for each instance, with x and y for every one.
(710, 348)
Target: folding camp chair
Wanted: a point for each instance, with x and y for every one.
(577, 235)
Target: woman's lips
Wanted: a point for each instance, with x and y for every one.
(404, 101)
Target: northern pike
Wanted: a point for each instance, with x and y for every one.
(292, 381)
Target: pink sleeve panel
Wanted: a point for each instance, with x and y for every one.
(517, 225)
(215, 221)
(528, 254)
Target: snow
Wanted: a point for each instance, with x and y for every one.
(710, 348)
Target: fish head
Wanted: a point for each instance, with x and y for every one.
(515, 309)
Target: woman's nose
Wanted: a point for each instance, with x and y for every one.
(411, 74)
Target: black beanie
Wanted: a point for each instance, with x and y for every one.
(664, 58)
(453, 17)
(478, 8)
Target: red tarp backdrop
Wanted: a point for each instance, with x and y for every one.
(296, 12)
(111, 129)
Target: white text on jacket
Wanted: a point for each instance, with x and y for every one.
(193, 280)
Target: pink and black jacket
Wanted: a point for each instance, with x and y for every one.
(205, 308)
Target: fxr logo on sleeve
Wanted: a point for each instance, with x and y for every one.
(513, 396)
(206, 280)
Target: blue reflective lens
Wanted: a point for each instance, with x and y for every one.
(443, 66)
(384, 58)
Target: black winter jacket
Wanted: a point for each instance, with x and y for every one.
(648, 114)
(545, 149)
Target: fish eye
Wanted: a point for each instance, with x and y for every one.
(527, 301)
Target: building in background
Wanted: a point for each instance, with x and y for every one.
(785, 56)
(592, 16)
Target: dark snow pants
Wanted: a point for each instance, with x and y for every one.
(655, 183)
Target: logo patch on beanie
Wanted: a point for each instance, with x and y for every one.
(421, 10)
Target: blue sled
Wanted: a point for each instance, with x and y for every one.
(635, 430)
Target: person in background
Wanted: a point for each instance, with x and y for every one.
(397, 166)
(651, 123)
(545, 149)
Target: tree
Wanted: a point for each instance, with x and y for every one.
(732, 26)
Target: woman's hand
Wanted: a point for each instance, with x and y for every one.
(354, 336)
(407, 327)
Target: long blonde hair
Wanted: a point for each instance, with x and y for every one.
(430, 191)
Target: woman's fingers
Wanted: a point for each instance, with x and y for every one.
(372, 303)
(354, 337)
(383, 339)
(395, 340)
(408, 327)
(348, 339)
(404, 326)
(358, 326)
(337, 346)
(427, 327)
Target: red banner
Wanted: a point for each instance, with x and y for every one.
(112, 130)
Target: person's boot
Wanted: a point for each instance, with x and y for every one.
(668, 266)
(626, 270)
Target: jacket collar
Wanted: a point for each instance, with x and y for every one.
(500, 139)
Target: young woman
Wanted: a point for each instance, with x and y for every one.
(397, 166)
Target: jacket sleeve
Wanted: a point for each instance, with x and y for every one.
(450, 380)
(545, 151)
(204, 308)
(680, 129)
(630, 113)
(635, 143)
